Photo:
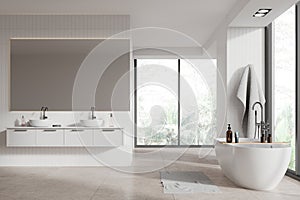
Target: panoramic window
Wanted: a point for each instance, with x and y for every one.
(175, 102)
(157, 102)
(285, 79)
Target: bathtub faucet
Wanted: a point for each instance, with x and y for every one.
(259, 126)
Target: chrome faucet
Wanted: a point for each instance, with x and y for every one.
(93, 112)
(258, 125)
(44, 109)
(261, 126)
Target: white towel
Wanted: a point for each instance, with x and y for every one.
(249, 92)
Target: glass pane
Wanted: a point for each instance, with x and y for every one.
(198, 101)
(157, 102)
(284, 80)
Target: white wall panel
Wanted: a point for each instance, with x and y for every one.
(244, 46)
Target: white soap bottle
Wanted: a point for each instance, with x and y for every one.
(23, 121)
(110, 120)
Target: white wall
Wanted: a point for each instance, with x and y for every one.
(56, 26)
(244, 46)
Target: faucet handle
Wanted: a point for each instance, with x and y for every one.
(266, 128)
(267, 124)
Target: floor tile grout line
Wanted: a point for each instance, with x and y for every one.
(94, 194)
(173, 195)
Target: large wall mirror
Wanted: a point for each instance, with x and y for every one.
(43, 72)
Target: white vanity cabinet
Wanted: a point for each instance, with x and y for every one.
(78, 137)
(64, 137)
(20, 137)
(49, 137)
(108, 137)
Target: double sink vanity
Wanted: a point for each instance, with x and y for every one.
(42, 134)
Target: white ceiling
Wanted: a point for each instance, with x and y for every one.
(245, 19)
(198, 19)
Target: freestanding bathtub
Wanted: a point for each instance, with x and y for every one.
(258, 166)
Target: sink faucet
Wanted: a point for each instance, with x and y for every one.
(44, 109)
(93, 112)
(260, 126)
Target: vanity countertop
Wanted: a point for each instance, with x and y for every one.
(59, 128)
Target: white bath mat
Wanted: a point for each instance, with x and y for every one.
(187, 182)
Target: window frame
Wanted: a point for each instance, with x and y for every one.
(297, 90)
(269, 63)
(135, 115)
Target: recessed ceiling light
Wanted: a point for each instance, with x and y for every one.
(259, 15)
(262, 12)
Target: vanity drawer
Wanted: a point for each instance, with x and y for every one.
(108, 137)
(20, 138)
(78, 138)
(50, 137)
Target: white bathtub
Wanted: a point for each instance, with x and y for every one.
(258, 166)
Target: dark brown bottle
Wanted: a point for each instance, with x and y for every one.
(269, 138)
(229, 135)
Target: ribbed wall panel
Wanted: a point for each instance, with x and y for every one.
(48, 26)
(244, 46)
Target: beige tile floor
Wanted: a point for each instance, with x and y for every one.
(95, 183)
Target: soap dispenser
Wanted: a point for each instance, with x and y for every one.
(229, 134)
(236, 137)
(23, 121)
(269, 140)
(110, 121)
